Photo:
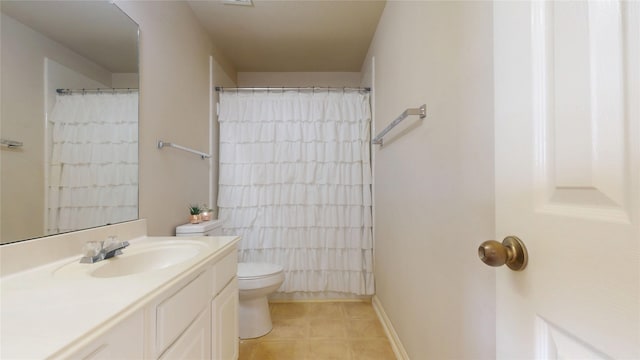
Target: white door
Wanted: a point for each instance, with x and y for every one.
(567, 96)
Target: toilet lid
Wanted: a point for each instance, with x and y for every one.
(257, 270)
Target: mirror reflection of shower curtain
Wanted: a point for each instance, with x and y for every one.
(93, 172)
(294, 183)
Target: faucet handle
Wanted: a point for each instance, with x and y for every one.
(109, 241)
(92, 251)
(91, 248)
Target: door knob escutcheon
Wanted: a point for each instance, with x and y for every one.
(511, 252)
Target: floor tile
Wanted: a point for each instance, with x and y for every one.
(288, 310)
(359, 310)
(325, 310)
(280, 350)
(328, 350)
(327, 328)
(288, 329)
(365, 328)
(246, 349)
(320, 331)
(371, 350)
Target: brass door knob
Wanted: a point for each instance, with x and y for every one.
(511, 252)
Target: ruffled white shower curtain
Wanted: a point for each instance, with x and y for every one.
(93, 172)
(295, 184)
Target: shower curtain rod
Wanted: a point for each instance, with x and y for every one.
(105, 90)
(275, 88)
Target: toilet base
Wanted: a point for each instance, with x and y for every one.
(255, 319)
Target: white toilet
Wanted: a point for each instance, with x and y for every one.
(255, 280)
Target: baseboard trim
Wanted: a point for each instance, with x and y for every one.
(396, 344)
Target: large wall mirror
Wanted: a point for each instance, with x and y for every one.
(68, 117)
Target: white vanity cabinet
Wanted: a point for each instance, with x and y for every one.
(200, 321)
(125, 341)
(224, 310)
(194, 318)
(195, 342)
(180, 311)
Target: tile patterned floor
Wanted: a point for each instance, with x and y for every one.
(320, 331)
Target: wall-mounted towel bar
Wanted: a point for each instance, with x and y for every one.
(422, 111)
(162, 144)
(10, 143)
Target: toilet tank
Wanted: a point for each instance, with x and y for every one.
(205, 228)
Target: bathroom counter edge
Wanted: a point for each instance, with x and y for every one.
(62, 315)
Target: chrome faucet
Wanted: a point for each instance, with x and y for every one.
(95, 251)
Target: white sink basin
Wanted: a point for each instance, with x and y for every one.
(152, 259)
(136, 259)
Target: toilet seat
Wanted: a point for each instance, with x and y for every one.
(259, 275)
(257, 270)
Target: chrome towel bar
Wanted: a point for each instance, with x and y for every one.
(162, 144)
(10, 143)
(421, 111)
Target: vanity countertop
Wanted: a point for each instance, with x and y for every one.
(46, 311)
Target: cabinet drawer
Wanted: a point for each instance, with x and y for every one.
(225, 270)
(175, 313)
(125, 341)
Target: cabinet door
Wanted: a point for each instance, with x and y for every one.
(195, 342)
(224, 322)
(125, 341)
(176, 312)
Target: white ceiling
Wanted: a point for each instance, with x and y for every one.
(292, 35)
(271, 35)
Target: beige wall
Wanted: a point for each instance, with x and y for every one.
(434, 178)
(174, 106)
(125, 80)
(58, 76)
(294, 79)
(22, 114)
(218, 78)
